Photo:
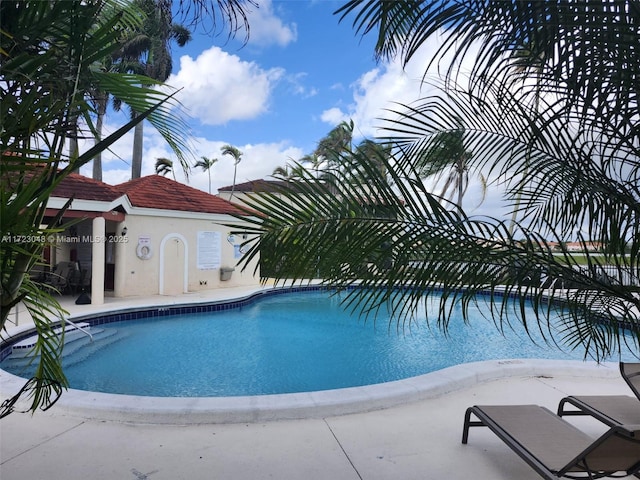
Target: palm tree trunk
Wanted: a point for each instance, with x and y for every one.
(97, 160)
(527, 161)
(74, 149)
(136, 160)
(460, 167)
(233, 186)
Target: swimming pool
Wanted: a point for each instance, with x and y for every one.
(295, 342)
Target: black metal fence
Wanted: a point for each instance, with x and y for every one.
(614, 275)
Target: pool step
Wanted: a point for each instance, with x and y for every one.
(74, 351)
(24, 348)
(79, 353)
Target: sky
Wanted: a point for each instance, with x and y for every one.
(300, 74)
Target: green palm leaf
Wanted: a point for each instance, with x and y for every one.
(49, 65)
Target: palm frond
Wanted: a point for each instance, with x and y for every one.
(49, 66)
(580, 49)
(398, 244)
(170, 124)
(216, 15)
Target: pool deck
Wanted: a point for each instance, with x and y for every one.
(418, 438)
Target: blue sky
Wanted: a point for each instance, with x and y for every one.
(300, 74)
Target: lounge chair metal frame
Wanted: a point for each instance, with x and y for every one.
(608, 409)
(615, 439)
(631, 374)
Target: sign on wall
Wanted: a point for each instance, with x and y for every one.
(209, 250)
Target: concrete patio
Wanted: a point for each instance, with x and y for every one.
(420, 440)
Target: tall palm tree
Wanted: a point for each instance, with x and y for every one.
(164, 166)
(313, 160)
(236, 154)
(580, 149)
(101, 100)
(527, 59)
(446, 159)
(375, 150)
(338, 140)
(206, 164)
(151, 47)
(289, 171)
(99, 96)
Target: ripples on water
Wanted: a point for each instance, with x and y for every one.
(282, 344)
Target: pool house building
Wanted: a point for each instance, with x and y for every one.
(148, 236)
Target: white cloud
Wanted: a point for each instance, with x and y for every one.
(267, 29)
(388, 86)
(334, 116)
(377, 90)
(219, 87)
(297, 86)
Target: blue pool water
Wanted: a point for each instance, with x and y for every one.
(287, 343)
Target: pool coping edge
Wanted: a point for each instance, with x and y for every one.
(319, 404)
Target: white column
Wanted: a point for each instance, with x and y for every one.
(97, 261)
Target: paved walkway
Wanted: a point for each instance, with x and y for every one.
(419, 439)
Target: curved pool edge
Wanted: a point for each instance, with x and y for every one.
(319, 404)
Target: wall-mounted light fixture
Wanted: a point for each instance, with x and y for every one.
(124, 231)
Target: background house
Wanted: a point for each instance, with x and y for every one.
(242, 192)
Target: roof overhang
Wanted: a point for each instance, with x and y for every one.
(114, 210)
(155, 212)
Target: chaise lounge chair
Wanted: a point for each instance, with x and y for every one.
(631, 374)
(609, 409)
(553, 447)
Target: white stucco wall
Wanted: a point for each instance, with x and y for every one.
(173, 240)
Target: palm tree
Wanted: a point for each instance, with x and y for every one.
(330, 148)
(580, 150)
(378, 153)
(289, 171)
(150, 46)
(313, 160)
(527, 58)
(281, 172)
(101, 100)
(236, 155)
(42, 89)
(206, 164)
(99, 96)
(337, 141)
(164, 166)
(446, 159)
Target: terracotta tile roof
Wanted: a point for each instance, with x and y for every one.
(85, 188)
(156, 191)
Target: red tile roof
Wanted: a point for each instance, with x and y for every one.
(85, 188)
(155, 191)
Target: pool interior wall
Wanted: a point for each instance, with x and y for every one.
(319, 404)
(265, 408)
